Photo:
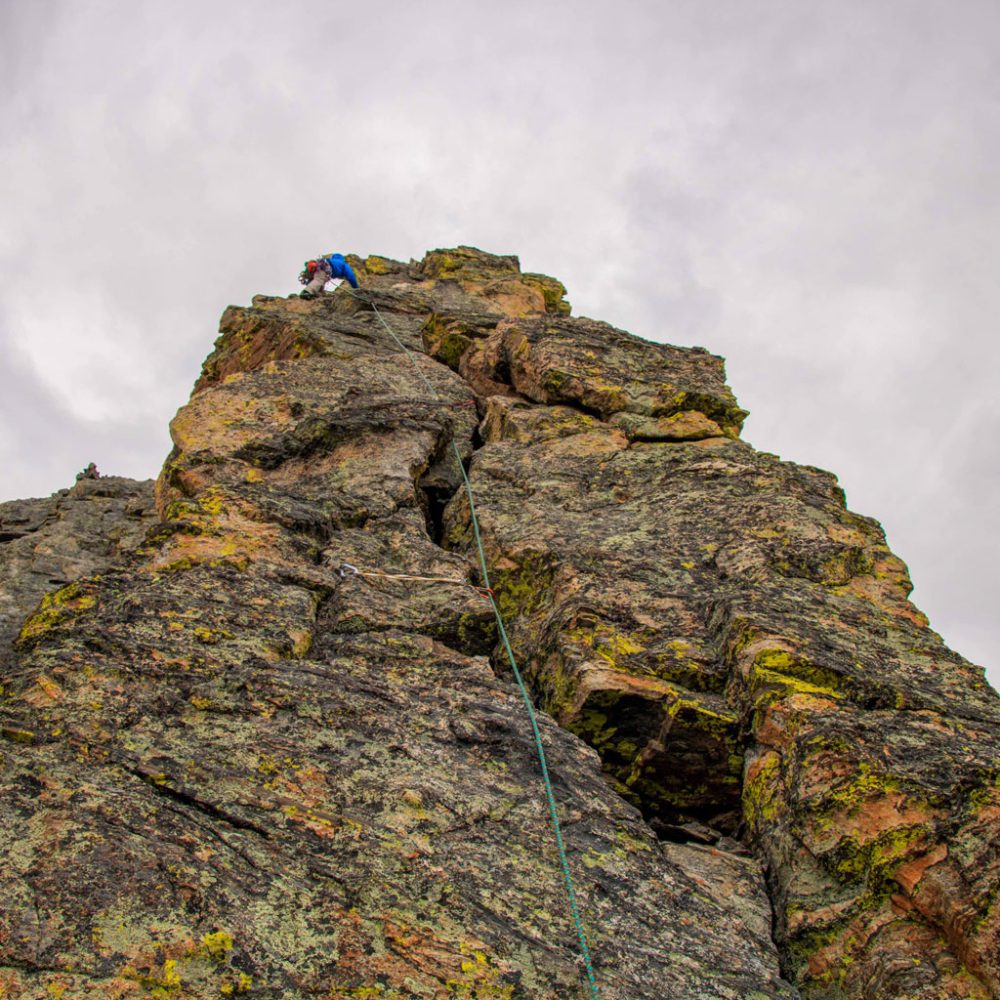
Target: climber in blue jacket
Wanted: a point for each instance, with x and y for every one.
(318, 272)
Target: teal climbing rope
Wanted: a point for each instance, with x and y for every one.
(502, 630)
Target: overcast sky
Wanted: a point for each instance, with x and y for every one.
(809, 189)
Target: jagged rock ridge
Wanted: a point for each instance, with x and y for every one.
(229, 770)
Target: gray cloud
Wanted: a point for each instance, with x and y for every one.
(807, 189)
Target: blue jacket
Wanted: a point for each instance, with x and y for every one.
(341, 269)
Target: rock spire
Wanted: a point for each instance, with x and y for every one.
(231, 766)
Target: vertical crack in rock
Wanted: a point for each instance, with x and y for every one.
(436, 498)
(735, 646)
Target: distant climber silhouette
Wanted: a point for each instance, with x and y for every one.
(318, 272)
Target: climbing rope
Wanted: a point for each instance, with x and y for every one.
(487, 591)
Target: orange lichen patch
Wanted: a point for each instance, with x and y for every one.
(512, 296)
(958, 982)
(65, 986)
(221, 527)
(320, 822)
(410, 953)
(251, 339)
(594, 443)
(885, 595)
(182, 551)
(940, 893)
(302, 795)
(764, 763)
(464, 965)
(844, 961)
(871, 817)
(823, 771)
(910, 874)
(43, 692)
(688, 425)
(294, 305)
(901, 904)
(308, 784)
(980, 952)
(805, 704)
(220, 421)
(892, 569)
(509, 419)
(780, 723)
(838, 623)
(302, 639)
(773, 730)
(175, 483)
(376, 456)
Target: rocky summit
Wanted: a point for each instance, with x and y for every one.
(261, 735)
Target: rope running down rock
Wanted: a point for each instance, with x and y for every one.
(532, 717)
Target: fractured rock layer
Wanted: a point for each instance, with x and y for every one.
(49, 543)
(239, 758)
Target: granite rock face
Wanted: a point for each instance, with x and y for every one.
(239, 758)
(48, 543)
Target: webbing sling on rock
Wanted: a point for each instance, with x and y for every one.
(532, 718)
(346, 570)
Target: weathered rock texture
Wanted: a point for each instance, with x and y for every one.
(230, 769)
(46, 544)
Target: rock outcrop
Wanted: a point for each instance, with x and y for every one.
(239, 758)
(49, 543)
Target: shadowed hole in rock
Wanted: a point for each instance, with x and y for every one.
(435, 498)
(679, 764)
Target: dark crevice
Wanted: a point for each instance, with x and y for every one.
(192, 801)
(40, 969)
(716, 830)
(587, 411)
(211, 830)
(500, 664)
(436, 499)
(470, 643)
(440, 480)
(316, 435)
(501, 372)
(568, 402)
